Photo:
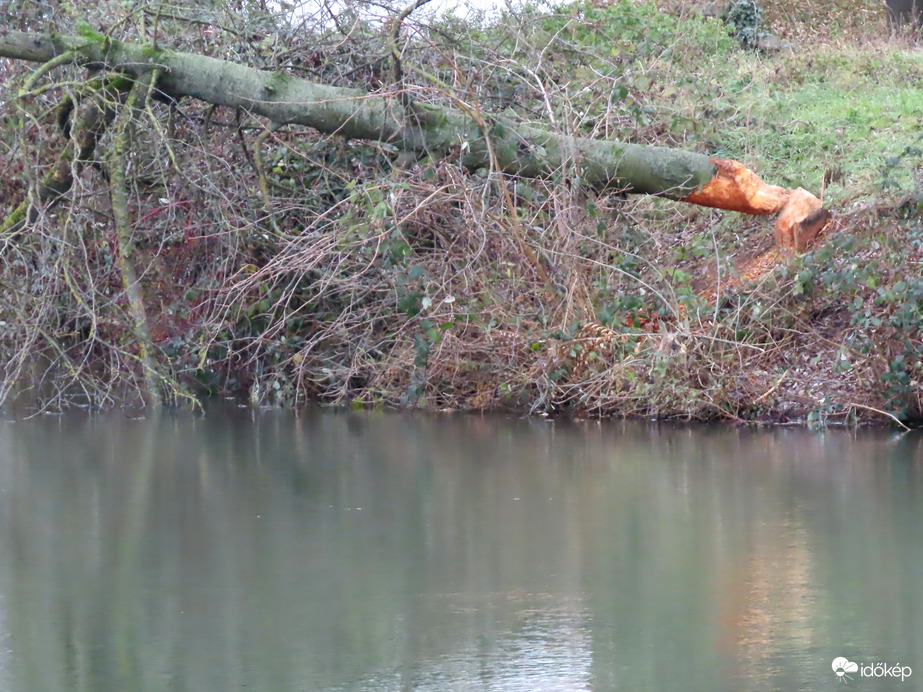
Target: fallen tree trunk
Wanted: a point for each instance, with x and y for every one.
(477, 139)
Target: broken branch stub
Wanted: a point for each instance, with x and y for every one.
(736, 188)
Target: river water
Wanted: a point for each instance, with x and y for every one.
(353, 551)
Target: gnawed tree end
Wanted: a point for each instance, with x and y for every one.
(736, 188)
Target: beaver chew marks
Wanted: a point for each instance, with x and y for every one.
(736, 188)
(802, 218)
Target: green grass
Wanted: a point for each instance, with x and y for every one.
(843, 108)
(683, 81)
(847, 116)
(801, 135)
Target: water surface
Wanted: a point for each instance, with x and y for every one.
(353, 551)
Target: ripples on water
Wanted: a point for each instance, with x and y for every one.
(343, 551)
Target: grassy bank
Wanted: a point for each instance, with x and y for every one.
(280, 266)
(830, 336)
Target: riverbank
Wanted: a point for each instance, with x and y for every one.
(830, 336)
(281, 266)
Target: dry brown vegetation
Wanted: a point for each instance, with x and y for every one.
(284, 267)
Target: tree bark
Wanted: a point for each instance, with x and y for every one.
(436, 131)
(118, 186)
(901, 12)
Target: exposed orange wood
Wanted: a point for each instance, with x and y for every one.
(736, 188)
(802, 218)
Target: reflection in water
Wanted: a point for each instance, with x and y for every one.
(344, 551)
